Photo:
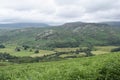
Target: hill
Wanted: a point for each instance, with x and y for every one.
(22, 25)
(113, 23)
(66, 35)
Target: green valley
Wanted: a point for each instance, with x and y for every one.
(72, 51)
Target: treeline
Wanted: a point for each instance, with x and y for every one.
(63, 44)
(6, 57)
(115, 49)
(2, 46)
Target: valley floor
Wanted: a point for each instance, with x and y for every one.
(11, 50)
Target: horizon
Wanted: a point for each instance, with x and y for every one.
(53, 24)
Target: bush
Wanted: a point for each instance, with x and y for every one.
(36, 51)
(110, 71)
(75, 75)
(115, 49)
(30, 50)
(25, 47)
(88, 52)
(2, 46)
(6, 56)
(17, 49)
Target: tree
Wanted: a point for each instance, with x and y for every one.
(36, 51)
(25, 47)
(77, 51)
(2, 46)
(88, 50)
(115, 49)
(17, 49)
(30, 50)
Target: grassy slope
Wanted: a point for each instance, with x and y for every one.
(73, 69)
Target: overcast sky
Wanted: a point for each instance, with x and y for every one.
(59, 11)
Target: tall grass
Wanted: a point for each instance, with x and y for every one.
(89, 68)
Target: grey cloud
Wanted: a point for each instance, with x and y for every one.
(70, 11)
(100, 5)
(66, 2)
(58, 11)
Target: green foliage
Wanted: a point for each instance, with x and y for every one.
(13, 59)
(63, 44)
(25, 47)
(17, 49)
(76, 74)
(93, 68)
(64, 36)
(115, 50)
(2, 46)
(36, 51)
(6, 56)
(110, 71)
(88, 52)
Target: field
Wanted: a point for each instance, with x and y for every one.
(87, 68)
(97, 51)
(11, 50)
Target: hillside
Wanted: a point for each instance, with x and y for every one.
(113, 23)
(66, 35)
(102, 67)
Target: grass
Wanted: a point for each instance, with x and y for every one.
(65, 49)
(105, 48)
(98, 50)
(74, 69)
(42, 53)
(11, 50)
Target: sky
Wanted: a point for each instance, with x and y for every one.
(59, 11)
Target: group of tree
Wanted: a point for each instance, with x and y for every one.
(6, 56)
(26, 47)
(9, 58)
(2, 46)
(115, 49)
(87, 50)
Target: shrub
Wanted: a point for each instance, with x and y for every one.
(110, 71)
(30, 50)
(88, 52)
(115, 49)
(17, 49)
(2, 46)
(25, 47)
(6, 56)
(36, 51)
(76, 74)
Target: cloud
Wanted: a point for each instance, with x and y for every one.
(70, 11)
(58, 11)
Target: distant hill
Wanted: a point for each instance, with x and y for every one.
(22, 25)
(83, 24)
(110, 23)
(113, 23)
